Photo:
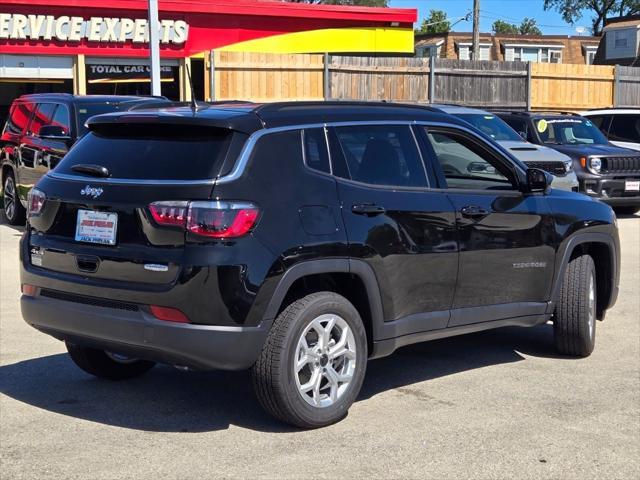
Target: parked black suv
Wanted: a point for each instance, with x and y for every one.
(301, 240)
(604, 170)
(39, 131)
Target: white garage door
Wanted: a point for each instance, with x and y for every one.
(36, 67)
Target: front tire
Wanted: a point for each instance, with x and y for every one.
(103, 364)
(574, 324)
(313, 363)
(14, 212)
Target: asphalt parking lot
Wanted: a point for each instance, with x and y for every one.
(497, 405)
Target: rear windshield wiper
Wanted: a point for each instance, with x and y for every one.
(93, 170)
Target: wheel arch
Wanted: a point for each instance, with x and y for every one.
(353, 279)
(602, 248)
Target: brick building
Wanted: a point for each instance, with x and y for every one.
(535, 48)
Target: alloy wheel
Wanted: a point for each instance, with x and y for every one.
(325, 360)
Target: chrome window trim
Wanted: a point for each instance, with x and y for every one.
(247, 150)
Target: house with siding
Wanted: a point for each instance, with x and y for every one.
(620, 44)
(534, 48)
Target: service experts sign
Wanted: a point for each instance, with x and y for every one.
(94, 29)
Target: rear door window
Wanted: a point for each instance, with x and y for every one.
(381, 155)
(625, 128)
(155, 152)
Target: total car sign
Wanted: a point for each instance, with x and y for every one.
(94, 29)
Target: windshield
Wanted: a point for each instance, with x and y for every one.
(491, 125)
(569, 131)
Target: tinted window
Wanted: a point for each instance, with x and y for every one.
(61, 118)
(465, 164)
(625, 128)
(315, 150)
(88, 110)
(381, 155)
(158, 152)
(519, 125)
(491, 125)
(18, 118)
(599, 121)
(43, 116)
(569, 131)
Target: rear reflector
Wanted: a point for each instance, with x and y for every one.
(168, 314)
(29, 290)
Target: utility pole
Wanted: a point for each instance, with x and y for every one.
(154, 47)
(476, 30)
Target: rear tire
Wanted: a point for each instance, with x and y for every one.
(14, 212)
(313, 363)
(626, 210)
(107, 365)
(574, 324)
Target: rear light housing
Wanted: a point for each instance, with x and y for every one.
(35, 202)
(207, 219)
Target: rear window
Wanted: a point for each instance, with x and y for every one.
(154, 152)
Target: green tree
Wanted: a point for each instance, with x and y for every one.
(502, 27)
(573, 10)
(529, 26)
(436, 22)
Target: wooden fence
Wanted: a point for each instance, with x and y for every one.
(485, 84)
(627, 87)
(481, 83)
(571, 87)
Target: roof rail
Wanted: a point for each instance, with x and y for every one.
(279, 106)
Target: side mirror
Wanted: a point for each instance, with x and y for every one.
(538, 180)
(54, 132)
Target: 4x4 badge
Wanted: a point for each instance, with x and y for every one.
(92, 192)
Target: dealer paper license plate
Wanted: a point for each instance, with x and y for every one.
(632, 186)
(96, 227)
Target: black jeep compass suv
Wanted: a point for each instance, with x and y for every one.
(301, 240)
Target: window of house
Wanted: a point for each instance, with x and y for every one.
(620, 39)
(465, 52)
(428, 51)
(590, 55)
(534, 54)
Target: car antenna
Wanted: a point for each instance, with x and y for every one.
(194, 103)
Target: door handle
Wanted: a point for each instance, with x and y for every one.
(368, 209)
(473, 211)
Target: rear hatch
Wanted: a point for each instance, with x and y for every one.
(97, 218)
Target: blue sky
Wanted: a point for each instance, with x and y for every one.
(512, 11)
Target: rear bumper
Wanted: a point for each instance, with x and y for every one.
(138, 334)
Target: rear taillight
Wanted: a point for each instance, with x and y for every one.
(169, 213)
(35, 202)
(211, 219)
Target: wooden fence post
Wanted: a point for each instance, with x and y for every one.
(616, 86)
(212, 75)
(529, 86)
(432, 79)
(326, 83)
